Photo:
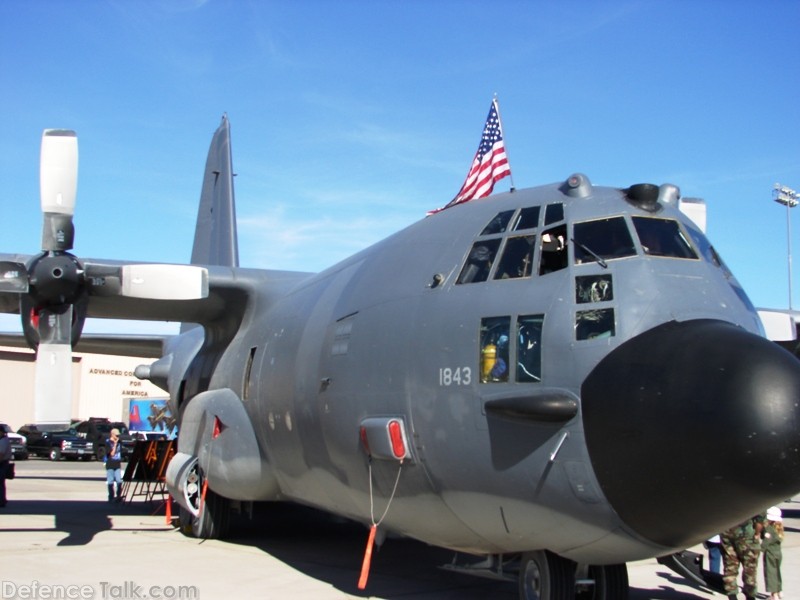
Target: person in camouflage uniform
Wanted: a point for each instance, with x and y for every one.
(771, 546)
(741, 545)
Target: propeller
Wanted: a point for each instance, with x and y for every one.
(55, 287)
(55, 279)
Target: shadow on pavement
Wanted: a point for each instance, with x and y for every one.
(81, 520)
(332, 550)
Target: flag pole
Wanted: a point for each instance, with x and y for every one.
(502, 133)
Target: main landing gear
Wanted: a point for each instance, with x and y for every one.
(542, 575)
(546, 576)
(210, 514)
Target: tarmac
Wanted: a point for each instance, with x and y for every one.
(61, 538)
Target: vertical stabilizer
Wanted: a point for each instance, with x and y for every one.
(215, 238)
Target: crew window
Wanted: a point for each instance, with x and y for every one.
(528, 218)
(553, 213)
(517, 258)
(593, 324)
(529, 348)
(494, 349)
(717, 260)
(593, 288)
(601, 240)
(554, 250)
(662, 237)
(479, 261)
(499, 223)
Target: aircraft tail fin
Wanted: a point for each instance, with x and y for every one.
(215, 236)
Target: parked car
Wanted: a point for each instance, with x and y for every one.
(98, 429)
(54, 440)
(19, 445)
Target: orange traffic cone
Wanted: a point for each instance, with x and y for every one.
(169, 509)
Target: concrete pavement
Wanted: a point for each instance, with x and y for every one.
(58, 535)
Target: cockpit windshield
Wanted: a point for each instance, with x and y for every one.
(603, 239)
(662, 237)
(503, 251)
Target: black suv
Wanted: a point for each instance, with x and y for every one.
(97, 430)
(54, 440)
(19, 446)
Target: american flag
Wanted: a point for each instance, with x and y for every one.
(489, 165)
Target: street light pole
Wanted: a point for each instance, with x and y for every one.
(787, 197)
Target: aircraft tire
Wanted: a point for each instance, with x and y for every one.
(610, 583)
(212, 523)
(546, 576)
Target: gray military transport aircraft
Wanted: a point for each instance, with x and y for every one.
(550, 382)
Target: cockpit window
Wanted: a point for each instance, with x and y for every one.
(503, 354)
(479, 262)
(554, 250)
(529, 348)
(601, 240)
(517, 258)
(505, 255)
(662, 237)
(494, 349)
(499, 223)
(554, 213)
(528, 218)
(593, 324)
(594, 288)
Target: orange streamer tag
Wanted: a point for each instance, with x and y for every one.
(362, 581)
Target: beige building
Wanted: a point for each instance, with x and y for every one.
(102, 386)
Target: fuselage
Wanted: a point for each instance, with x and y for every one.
(478, 328)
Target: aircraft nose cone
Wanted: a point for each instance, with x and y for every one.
(692, 427)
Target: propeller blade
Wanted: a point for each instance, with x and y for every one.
(53, 395)
(53, 391)
(148, 281)
(55, 327)
(58, 176)
(165, 282)
(13, 277)
(58, 181)
(103, 280)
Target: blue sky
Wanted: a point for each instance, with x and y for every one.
(352, 118)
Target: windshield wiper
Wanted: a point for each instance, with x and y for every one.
(588, 250)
